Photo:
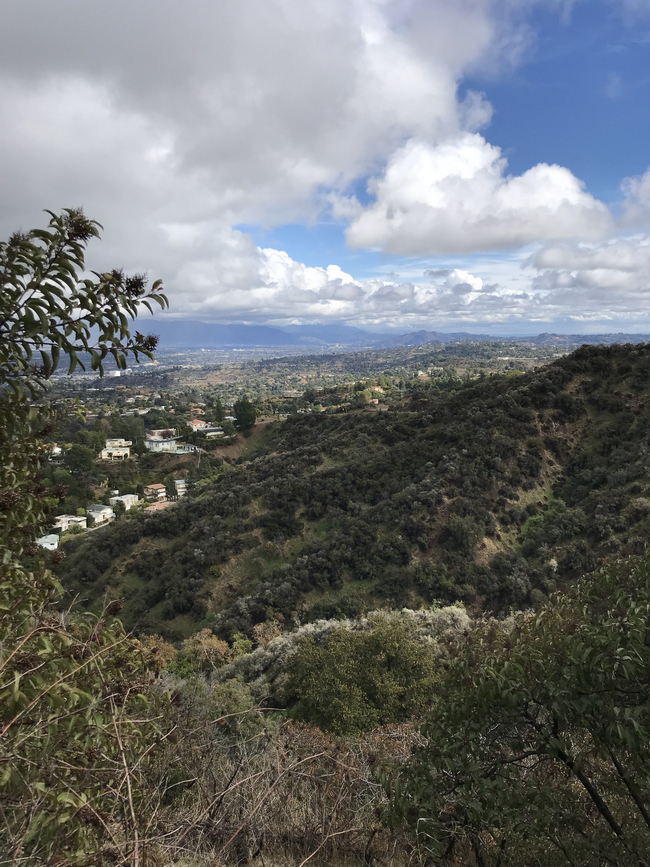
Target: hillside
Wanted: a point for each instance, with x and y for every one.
(493, 495)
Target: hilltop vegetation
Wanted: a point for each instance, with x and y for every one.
(493, 495)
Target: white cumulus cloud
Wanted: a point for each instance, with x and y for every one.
(456, 196)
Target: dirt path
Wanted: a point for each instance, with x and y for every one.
(243, 444)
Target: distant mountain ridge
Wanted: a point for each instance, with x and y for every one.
(417, 338)
(194, 334)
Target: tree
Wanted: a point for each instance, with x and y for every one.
(217, 410)
(69, 688)
(354, 681)
(202, 652)
(46, 309)
(119, 508)
(79, 459)
(245, 413)
(536, 744)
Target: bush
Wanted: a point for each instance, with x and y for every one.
(356, 681)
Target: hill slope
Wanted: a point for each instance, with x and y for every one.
(492, 495)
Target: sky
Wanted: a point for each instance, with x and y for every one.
(481, 165)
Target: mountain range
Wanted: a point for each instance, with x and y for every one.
(175, 334)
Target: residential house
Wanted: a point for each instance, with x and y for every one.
(129, 500)
(155, 491)
(117, 449)
(51, 541)
(100, 514)
(161, 441)
(117, 443)
(65, 522)
(117, 454)
(181, 487)
(198, 424)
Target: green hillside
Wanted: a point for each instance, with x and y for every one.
(494, 496)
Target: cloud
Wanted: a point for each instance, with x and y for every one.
(457, 197)
(225, 277)
(156, 114)
(175, 123)
(613, 87)
(610, 279)
(634, 8)
(270, 102)
(617, 272)
(636, 200)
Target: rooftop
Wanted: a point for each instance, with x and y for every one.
(158, 507)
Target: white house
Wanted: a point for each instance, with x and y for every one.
(117, 449)
(120, 453)
(100, 514)
(51, 542)
(181, 487)
(163, 440)
(65, 522)
(129, 500)
(118, 443)
(155, 444)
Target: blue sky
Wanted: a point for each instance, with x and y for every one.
(580, 98)
(399, 164)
